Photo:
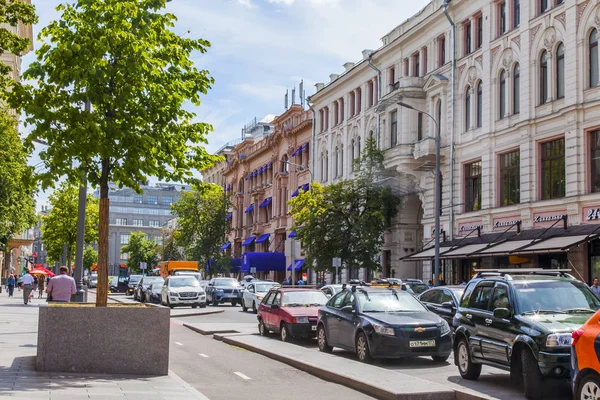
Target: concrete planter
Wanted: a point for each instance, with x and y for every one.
(119, 339)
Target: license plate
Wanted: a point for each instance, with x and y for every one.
(422, 343)
(313, 328)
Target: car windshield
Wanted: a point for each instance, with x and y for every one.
(555, 296)
(458, 292)
(227, 282)
(156, 286)
(151, 280)
(304, 298)
(94, 278)
(135, 278)
(388, 301)
(417, 288)
(265, 287)
(181, 281)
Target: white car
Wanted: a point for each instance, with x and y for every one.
(182, 291)
(254, 293)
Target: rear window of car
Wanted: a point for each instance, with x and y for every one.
(226, 282)
(304, 298)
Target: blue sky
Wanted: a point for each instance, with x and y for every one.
(260, 48)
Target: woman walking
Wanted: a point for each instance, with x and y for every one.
(11, 285)
(41, 286)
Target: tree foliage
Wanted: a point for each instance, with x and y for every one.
(140, 249)
(170, 251)
(346, 219)
(90, 257)
(124, 58)
(59, 226)
(202, 224)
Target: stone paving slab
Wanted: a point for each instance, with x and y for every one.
(211, 328)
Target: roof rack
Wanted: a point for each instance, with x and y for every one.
(506, 273)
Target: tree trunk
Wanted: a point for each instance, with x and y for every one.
(102, 286)
(69, 255)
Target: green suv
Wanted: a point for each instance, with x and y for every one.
(521, 320)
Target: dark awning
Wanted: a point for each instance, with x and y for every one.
(297, 265)
(263, 262)
(265, 202)
(292, 234)
(249, 209)
(228, 217)
(464, 251)
(263, 238)
(249, 241)
(226, 246)
(426, 254)
(555, 244)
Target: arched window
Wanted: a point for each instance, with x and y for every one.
(468, 108)
(323, 166)
(560, 71)
(516, 89)
(502, 95)
(594, 70)
(337, 161)
(341, 167)
(438, 110)
(284, 164)
(544, 77)
(479, 104)
(358, 145)
(353, 154)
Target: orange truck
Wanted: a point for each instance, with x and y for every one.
(172, 267)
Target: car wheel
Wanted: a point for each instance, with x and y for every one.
(588, 388)
(244, 308)
(262, 329)
(362, 349)
(467, 368)
(440, 359)
(195, 306)
(254, 307)
(322, 340)
(134, 296)
(233, 303)
(203, 305)
(284, 334)
(169, 304)
(532, 377)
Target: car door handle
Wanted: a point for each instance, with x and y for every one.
(469, 316)
(488, 321)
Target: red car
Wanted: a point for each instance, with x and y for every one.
(290, 312)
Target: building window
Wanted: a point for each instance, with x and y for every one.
(595, 160)
(121, 221)
(516, 89)
(353, 154)
(154, 223)
(467, 30)
(468, 108)
(124, 256)
(510, 178)
(424, 53)
(370, 93)
(479, 31)
(594, 70)
(352, 103)
(336, 113)
(124, 239)
(420, 126)
(337, 163)
(553, 169)
(479, 104)
(394, 128)
(439, 117)
(543, 6)
(137, 198)
(560, 71)
(502, 18)
(341, 167)
(284, 164)
(416, 64)
(516, 13)
(442, 51)
(502, 95)
(152, 199)
(358, 100)
(342, 109)
(167, 200)
(138, 222)
(473, 186)
(544, 77)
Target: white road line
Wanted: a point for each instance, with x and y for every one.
(203, 355)
(179, 344)
(241, 375)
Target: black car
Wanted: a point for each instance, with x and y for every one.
(143, 285)
(382, 323)
(153, 292)
(131, 284)
(221, 290)
(443, 300)
(521, 321)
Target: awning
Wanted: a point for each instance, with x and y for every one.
(249, 241)
(503, 248)
(228, 217)
(226, 246)
(304, 188)
(263, 262)
(555, 244)
(249, 209)
(464, 251)
(263, 238)
(297, 151)
(265, 202)
(297, 265)
(426, 254)
(236, 265)
(124, 266)
(292, 234)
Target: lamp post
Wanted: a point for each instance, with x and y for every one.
(438, 193)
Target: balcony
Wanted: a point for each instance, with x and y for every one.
(425, 148)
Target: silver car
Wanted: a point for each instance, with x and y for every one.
(254, 293)
(331, 290)
(182, 291)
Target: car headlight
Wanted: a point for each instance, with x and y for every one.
(444, 328)
(382, 330)
(302, 320)
(172, 293)
(559, 340)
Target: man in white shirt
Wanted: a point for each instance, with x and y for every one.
(27, 287)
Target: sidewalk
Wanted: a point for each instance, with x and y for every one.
(19, 379)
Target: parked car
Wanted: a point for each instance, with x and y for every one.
(142, 287)
(443, 300)
(254, 294)
(93, 281)
(204, 284)
(521, 322)
(331, 290)
(153, 292)
(221, 290)
(585, 360)
(290, 312)
(196, 275)
(382, 323)
(414, 287)
(133, 281)
(182, 291)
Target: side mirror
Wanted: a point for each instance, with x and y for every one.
(503, 313)
(275, 307)
(448, 304)
(347, 309)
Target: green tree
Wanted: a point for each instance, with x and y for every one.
(140, 249)
(124, 58)
(59, 226)
(90, 257)
(170, 251)
(346, 219)
(202, 224)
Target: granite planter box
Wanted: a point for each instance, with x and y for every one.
(119, 339)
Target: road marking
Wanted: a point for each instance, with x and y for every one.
(178, 344)
(241, 375)
(203, 355)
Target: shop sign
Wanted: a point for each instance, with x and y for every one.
(591, 214)
(547, 219)
(506, 222)
(467, 227)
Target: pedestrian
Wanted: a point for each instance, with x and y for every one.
(288, 281)
(27, 281)
(19, 283)
(61, 287)
(41, 286)
(300, 281)
(35, 283)
(595, 288)
(11, 285)
(430, 283)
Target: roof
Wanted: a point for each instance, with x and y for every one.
(295, 289)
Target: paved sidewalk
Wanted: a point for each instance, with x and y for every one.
(19, 379)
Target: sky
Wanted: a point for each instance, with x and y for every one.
(260, 48)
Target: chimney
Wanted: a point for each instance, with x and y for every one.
(348, 66)
(319, 86)
(366, 53)
(333, 77)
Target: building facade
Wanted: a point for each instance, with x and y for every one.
(519, 135)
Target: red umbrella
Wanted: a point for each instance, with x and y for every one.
(43, 270)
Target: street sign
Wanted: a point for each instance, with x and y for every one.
(252, 270)
(336, 262)
(143, 265)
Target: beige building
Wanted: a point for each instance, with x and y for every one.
(520, 137)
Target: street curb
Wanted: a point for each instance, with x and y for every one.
(192, 314)
(206, 333)
(188, 387)
(325, 374)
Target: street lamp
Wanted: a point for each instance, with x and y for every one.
(438, 193)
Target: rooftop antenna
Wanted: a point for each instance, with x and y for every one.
(286, 99)
(301, 92)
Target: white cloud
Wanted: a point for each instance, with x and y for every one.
(246, 3)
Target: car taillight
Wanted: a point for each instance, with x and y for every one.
(576, 335)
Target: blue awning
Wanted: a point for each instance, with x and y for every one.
(304, 187)
(226, 246)
(228, 217)
(297, 265)
(249, 241)
(236, 265)
(263, 262)
(265, 202)
(296, 192)
(263, 238)
(305, 146)
(292, 234)
(249, 209)
(297, 151)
